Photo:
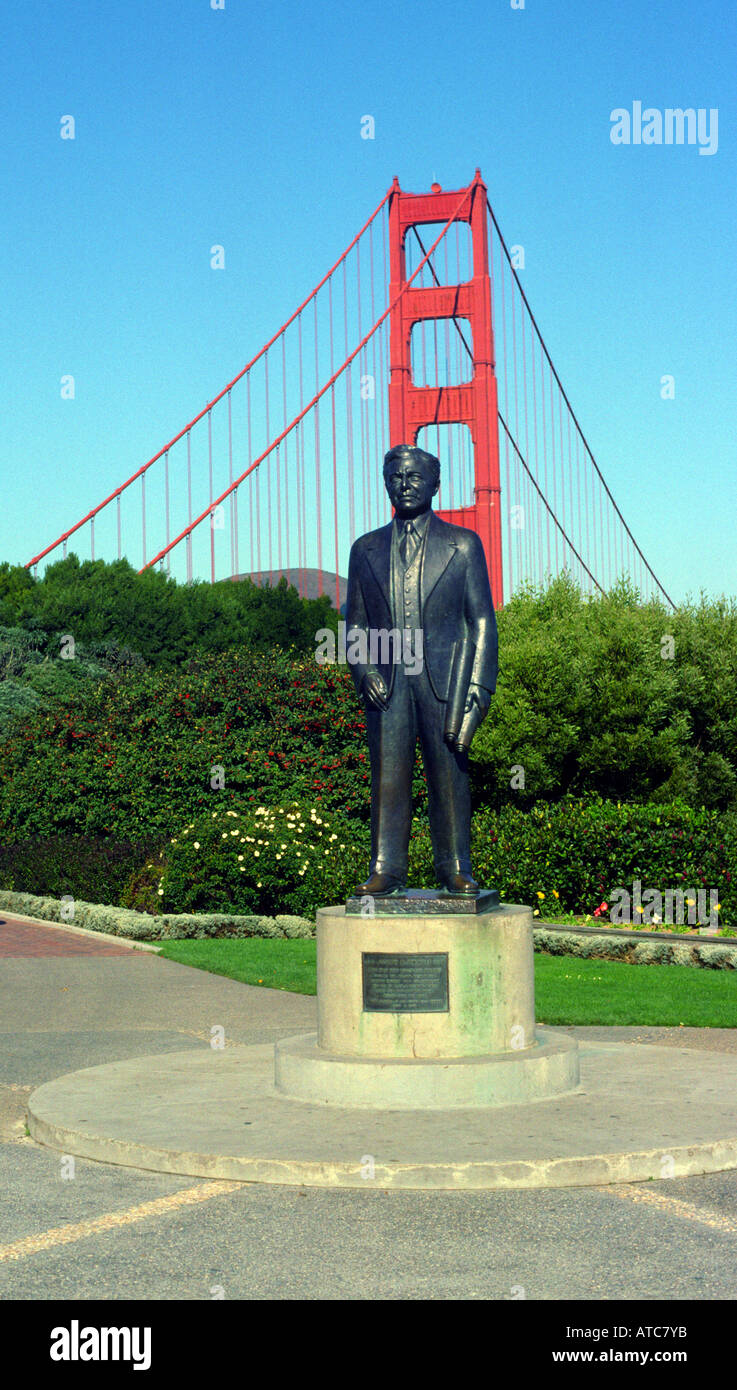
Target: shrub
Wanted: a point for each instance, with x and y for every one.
(710, 955)
(92, 868)
(611, 696)
(571, 856)
(34, 674)
(140, 926)
(141, 892)
(162, 620)
(288, 859)
(135, 759)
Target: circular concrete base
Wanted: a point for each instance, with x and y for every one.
(643, 1112)
(304, 1072)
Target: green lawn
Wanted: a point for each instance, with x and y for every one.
(566, 990)
(276, 964)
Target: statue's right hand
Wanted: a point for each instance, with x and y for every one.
(374, 690)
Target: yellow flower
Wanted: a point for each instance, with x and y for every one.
(555, 895)
(540, 895)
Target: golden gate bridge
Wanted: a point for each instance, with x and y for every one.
(420, 333)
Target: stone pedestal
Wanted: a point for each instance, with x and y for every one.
(424, 1011)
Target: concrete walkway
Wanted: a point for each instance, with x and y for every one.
(70, 1001)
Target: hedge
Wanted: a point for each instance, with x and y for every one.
(141, 926)
(713, 955)
(564, 858)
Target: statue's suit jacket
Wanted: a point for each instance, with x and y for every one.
(455, 599)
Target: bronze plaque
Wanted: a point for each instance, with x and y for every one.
(402, 982)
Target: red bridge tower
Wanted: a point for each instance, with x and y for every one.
(473, 403)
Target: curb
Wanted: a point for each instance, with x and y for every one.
(83, 931)
(60, 1117)
(589, 1170)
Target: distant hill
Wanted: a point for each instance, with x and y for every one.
(305, 581)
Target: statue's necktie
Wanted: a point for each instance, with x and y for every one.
(408, 544)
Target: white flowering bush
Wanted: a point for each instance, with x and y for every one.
(291, 858)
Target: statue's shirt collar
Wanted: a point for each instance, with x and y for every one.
(420, 523)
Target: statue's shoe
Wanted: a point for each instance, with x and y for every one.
(379, 886)
(460, 883)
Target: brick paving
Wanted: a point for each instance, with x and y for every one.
(20, 938)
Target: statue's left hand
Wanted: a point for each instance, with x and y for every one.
(478, 695)
(478, 700)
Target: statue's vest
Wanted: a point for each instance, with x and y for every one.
(406, 603)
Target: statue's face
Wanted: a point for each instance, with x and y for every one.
(410, 484)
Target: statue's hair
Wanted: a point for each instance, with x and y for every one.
(419, 455)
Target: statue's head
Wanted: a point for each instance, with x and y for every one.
(411, 478)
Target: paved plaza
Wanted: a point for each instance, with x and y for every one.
(71, 1228)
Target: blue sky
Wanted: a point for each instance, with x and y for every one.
(241, 127)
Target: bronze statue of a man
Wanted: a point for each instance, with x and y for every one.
(419, 597)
